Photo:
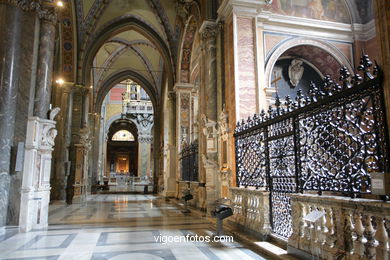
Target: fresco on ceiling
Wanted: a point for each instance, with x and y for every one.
(329, 10)
(365, 10)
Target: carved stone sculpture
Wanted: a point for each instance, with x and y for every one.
(295, 72)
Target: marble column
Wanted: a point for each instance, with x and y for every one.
(144, 124)
(62, 163)
(208, 31)
(45, 64)
(85, 107)
(10, 39)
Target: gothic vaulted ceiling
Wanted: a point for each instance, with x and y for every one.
(113, 48)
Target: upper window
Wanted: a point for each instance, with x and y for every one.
(123, 135)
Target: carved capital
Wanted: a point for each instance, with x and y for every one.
(172, 95)
(25, 5)
(48, 13)
(208, 31)
(45, 10)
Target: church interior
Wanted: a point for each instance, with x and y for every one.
(125, 122)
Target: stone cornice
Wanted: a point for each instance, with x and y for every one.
(364, 32)
(305, 27)
(241, 7)
(183, 87)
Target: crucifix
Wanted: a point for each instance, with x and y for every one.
(275, 82)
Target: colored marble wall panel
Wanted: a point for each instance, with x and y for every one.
(246, 67)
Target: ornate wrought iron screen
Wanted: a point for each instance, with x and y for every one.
(329, 141)
(189, 162)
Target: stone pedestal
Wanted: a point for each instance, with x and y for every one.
(34, 207)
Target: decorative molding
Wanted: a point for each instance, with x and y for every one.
(48, 13)
(183, 87)
(223, 124)
(85, 138)
(305, 26)
(209, 163)
(145, 139)
(45, 10)
(240, 7)
(25, 5)
(172, 95)
(364, 32)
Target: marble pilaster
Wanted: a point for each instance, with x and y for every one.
(170, 149)
(10, 52)
(208, 152)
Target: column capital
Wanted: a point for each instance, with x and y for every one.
(171, 95)
(45, 9)
(48, 12)
(183, 87)
(208, 30)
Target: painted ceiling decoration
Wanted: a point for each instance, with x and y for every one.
(67, 42)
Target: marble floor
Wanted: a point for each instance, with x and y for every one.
(120, 226)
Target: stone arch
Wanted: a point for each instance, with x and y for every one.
(111, 81)
(186, 50)
(301, 41)
(115, 26)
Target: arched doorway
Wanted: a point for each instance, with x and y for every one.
(126, 143)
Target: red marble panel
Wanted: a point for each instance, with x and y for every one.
(246, 67)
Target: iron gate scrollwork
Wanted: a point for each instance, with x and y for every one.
(189, 162)
(330, 140)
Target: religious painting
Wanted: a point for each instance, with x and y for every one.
(329, 10)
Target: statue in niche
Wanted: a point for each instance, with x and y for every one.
(295, 72)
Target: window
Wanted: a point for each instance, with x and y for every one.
(123, 135)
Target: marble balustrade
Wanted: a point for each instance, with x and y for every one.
(251, 209)
(350, 228)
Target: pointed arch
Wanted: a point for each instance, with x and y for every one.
(121, 24)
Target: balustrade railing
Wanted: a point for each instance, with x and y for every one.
(251, 209)
(349, 229)
(189, 162)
